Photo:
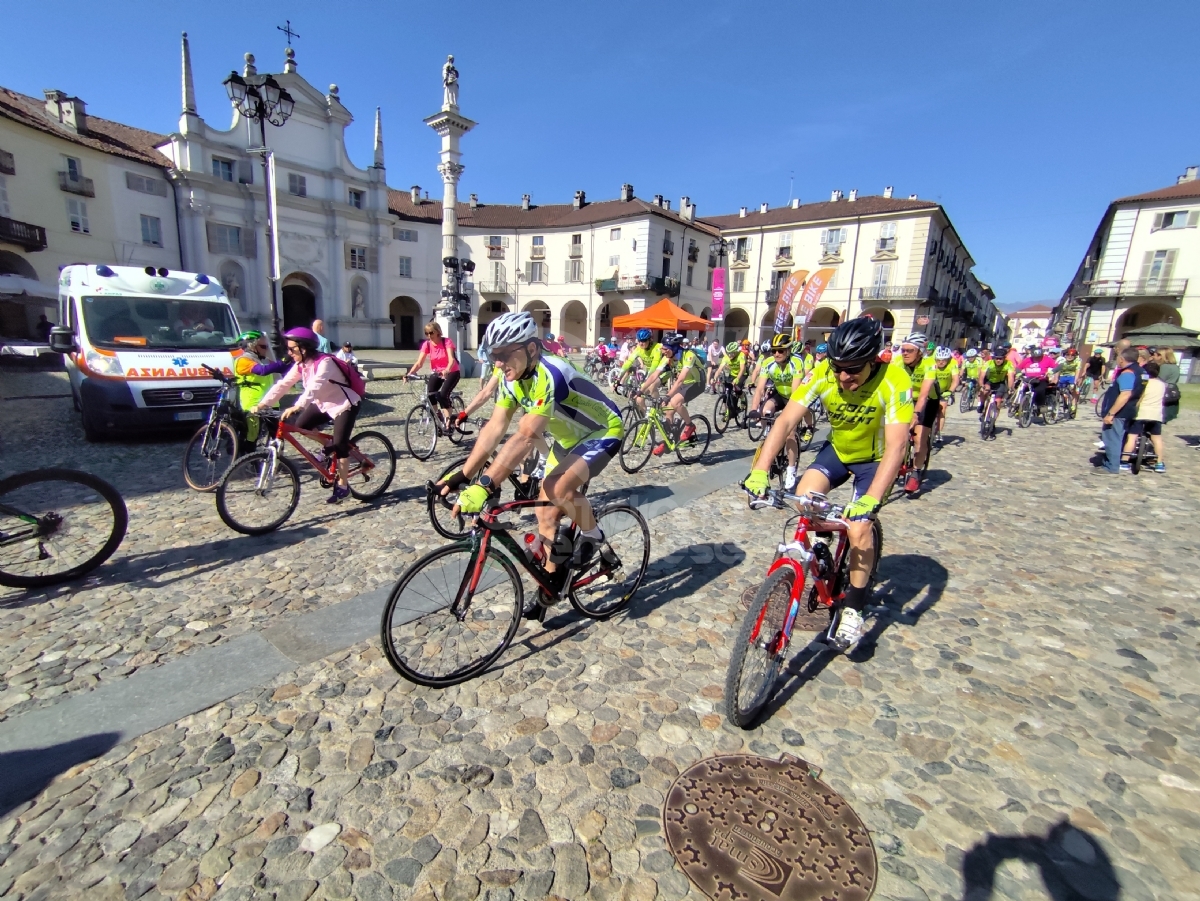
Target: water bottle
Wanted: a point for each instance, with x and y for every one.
(535, 548)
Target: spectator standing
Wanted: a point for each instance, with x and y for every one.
(323, 345)
(43, 329)
(1168, 371)
(1148, 419)
(1120, 406)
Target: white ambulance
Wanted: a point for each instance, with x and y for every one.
(138, 337)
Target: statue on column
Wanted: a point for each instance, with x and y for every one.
(450, 82)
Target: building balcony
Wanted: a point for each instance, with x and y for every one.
(693, 254)
(83, 186)
(576, 252)
(668, 248)
(606, 285)
(885, 245)
(493, 287)
(537, 252)
(495, 253)
(644, 284)
(32, 238)
(783, 256)
(1151, 287)
(883, 292)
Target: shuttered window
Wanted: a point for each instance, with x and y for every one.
(297, 184)
(145, 184)
(231, 239)
(361, 257)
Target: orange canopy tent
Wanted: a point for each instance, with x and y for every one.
(663, 314)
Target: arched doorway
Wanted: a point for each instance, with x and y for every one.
(488, 310)
(405, 314)
(15, 264)
(299, 300)
(540, 311)
(687, 308)
(886, 318)
(573, 324)
(737, 325)
(822, 321)
(1145, 314)
(604, 317)
(766, 328)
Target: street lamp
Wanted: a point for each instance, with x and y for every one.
(260, 98)
(456, 304)
(719, 247)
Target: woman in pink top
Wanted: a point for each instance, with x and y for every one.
(442, 360)
(326, 398)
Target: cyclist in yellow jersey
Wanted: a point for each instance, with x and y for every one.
(687, 384)
(255, 371)
(647, 354)
(870, 409)
(1068, 372)
(945, 371)
(996, 375)
(971, 365)
(925, 403)
(780, 378)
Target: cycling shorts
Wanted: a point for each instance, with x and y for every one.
(690, 392)
(773, 394)
(1000, 389)
(596, 451)
(1066, 380)
(830, 465)
(930, 414)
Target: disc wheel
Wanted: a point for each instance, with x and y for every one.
(252, 500)
(693, 449)
(371, 476)
(1025, 415)
(636, 446)
(57, 524)
(209, 454)
(420, 432)
(721, 415)
(615, 573)
(456, 433)
(757, 654)
(435, 631)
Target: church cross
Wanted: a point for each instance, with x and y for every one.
(288, 31)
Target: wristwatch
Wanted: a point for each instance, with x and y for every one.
(485, 482)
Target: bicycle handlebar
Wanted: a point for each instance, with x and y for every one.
(816, 504)
(218, 374)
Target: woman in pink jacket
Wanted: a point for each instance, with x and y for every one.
(326, 398)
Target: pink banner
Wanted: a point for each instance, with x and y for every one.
(718, 295)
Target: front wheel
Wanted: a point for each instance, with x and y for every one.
(1025, 413)
(450, 616)
(987, 427)
(209, 454)
(691, 450)
(420, 432)
(636, 445)
(721, 415)
(57, 524)
(757, 654)
(372, 465)
(615, 573)
(1138, 459)
(756, 428)
(964, 401)
(259, 493)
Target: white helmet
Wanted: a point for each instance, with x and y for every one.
(971, 354)
(942, 353)
(510, 328)
(917, 340)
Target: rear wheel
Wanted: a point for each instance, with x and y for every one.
(636, 445)
(252, 499)
(456, 432)
(372, 467)
(756, 428)
(610, 580)
(209, 454)
(420, 432)
(1138, 459)
(691, 450)
(757, 654)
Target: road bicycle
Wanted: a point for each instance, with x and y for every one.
(632, 385)
(56, 525)
(1143, 454)
(453, 613)
(730, 406)
(966, 400)
(261, 490)
(1025, 404)
(991, 412)
(427, 421)
(647, 431)
(525, 482)
(211, 451)
(815, 557)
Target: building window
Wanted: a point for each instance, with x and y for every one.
(575, 270)
(74, 168)
(226, 239)
(832, 240)
(739, 281)
(538, 250)
(356, 199)
(539, 241)
(741, 249)
(887, 236)
(404, 234)
(358, 257)
(690, 269)
(785, 246)
(708, 285)
(535, 272)
(495, 241)
(614, 260)
(406, 267)
(1176, 219)
(77, 213)
(297, 184)
(883, 274)
(222, 169)
(3, 197)
(577, 240)
(614, 234)
(152, 231)
(145, 185)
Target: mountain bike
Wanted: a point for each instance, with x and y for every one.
(816, 557)
(454, 612)
(427, 421)
(526, 482)
(1015, 398)
(966, 400)
(1025, 407)
(987, 423)
(261, 490)
(211, 451)
(642, 436)
(729, 407)
(57, 524)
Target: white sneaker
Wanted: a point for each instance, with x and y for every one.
(789, 479)
(850, 628)
(1099, 445)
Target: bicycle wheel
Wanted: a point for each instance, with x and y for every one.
(693, 449)
(1072, 405)
(1096, 406)
(964, 401)
(804, 437)
(57, 524)
(1025, 414)
(456, 433)
(629, 416)
(616, 572)
(1138, 458)
(756, 428)
(757, 654)
(420, 432)
(636, 446)
(721, 415)
(367, 482)
(209, 454)
(444, 522)
(989, 420)
(254, 501)
(436, 631)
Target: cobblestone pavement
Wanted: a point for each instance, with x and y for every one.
(1033, 663)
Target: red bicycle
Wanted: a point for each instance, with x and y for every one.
(261, 489)
(816, 557)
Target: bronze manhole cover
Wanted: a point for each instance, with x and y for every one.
(748, 828)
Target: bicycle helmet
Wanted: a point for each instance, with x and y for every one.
(732, 347)
(510, 328)
(942, 353)
(765, 347)
(305, 337)
(822, 348)
(673, 343)
(931, 346)
(1072, 352)
(781, 342)
(1036, 353)
(971, 354)
(250, 337)
(643, 334)
(856, 341)
(917, 340)
(1054, 351)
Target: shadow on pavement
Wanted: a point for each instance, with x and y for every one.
(1073, 864)
(934, 479)
(900, 579)
(24, 774)
(1190, 440)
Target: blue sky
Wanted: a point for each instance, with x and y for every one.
(1023, 119)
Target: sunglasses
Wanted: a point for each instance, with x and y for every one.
(850, 370)
(293, 349)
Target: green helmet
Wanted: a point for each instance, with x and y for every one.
(732, 347)
(250, 337)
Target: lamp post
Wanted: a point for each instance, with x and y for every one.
(719, 247)
(456, 303)
(259, 98)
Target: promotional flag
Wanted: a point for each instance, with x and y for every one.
(787, 291)
(813, 289)
(718, 295)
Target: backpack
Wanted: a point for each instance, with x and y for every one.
(1171, 395)
(354, 380)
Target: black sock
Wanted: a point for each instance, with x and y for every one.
(856, 598)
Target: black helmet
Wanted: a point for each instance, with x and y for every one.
(856, 341)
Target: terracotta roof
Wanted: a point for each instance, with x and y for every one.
(814, 212)
(558, 215)
(1036, 310)
(1174, 192)
(102, 134)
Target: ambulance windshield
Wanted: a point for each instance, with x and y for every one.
(153, 322)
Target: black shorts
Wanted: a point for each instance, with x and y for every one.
(929, 415)
(690, 392)
(1000, 389)
(830, 465)
(1145, 427)
(780, 400)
